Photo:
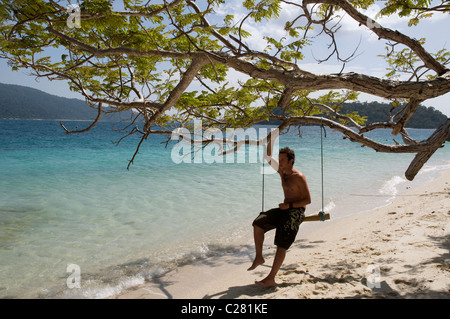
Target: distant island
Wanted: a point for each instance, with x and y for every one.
(425, 117)
(21, 102)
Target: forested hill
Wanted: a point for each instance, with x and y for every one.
(425, 117)
(21, 102)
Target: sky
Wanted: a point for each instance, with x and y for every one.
(350, 37)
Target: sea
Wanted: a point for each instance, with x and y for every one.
(76, 223)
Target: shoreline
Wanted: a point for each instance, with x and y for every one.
(399, 250)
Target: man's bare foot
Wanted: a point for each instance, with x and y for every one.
(266, 283)
(258, 261)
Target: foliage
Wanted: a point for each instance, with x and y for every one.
(174, 61)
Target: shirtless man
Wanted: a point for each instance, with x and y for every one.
(287, 218)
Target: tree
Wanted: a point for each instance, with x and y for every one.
(172, 62)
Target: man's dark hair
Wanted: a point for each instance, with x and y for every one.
(289, 153)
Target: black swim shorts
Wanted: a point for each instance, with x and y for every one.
(286, 222)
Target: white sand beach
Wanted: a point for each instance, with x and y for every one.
(397, 251)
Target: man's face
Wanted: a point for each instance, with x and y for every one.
(284, 162)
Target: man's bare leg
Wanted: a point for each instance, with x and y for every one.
(269, 281)
(258, 235)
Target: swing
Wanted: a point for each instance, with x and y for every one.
(322, 216)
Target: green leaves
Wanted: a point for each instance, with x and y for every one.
(264, 9)
(406, 61)
(138, 54)
(98, 6)
(417, 9)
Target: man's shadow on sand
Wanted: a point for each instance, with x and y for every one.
(239, 291)
(252, 290)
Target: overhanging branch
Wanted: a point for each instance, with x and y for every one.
(385, 33)
(357, 137)
(436, 141)
(99, 114)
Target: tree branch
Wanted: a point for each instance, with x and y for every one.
(356, 137)
(389, 89)
(166, 6)
(120, 50)
(436, 141)
(99, 114)
(175, 94)
(386, 33)
(409, 111)
(207, 24)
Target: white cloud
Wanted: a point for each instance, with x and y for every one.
(273, 28)
(330, 68)
(350, 27)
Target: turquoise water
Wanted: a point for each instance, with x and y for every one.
(70, 200)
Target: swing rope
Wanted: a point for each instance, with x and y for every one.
(322, 132)
(262, 195)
